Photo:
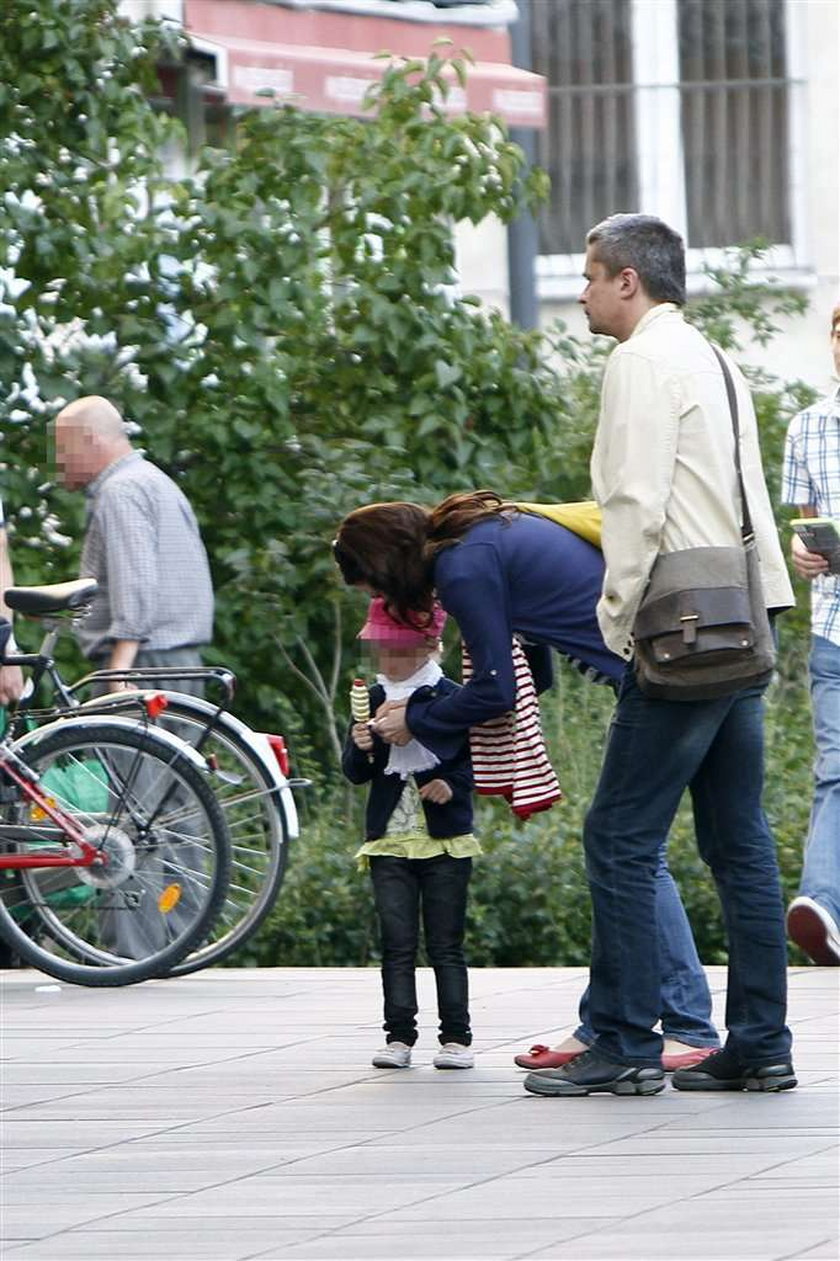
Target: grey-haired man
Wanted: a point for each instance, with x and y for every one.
(142, 544)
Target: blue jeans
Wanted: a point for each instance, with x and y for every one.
(685, 1008)
(655, 750)
(821, 872)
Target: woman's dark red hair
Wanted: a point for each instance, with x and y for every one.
(382, 547)
(392, 547)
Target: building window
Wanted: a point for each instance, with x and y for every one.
(734, 120)
(681, 108)
(584, 49)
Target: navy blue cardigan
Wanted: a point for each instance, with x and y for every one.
(455, 818)
(526, 576)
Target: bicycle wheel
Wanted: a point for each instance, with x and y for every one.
(257, 823)
(149, 810)
(257, 817)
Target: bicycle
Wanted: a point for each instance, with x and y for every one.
(249, 772)
(114, 853)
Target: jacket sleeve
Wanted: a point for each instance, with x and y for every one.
(358, 766)
(473, 588)
(457, 773)
(456, 815)
(632, 473)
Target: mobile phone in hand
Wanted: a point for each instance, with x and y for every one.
(820, 535)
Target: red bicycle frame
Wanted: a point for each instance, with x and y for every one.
(89, 855)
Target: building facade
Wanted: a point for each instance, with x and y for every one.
(722, 116)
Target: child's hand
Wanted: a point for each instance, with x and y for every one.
(361, 736)
(437, 790)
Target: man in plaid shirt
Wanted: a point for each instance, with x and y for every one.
(812, 482)
(154, 606)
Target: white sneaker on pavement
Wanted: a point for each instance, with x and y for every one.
(393, 1055)
(453, 1055)
(814, 931)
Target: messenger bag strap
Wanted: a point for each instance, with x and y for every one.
(746, 520)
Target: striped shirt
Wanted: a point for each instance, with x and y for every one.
(143, 547)
(811, 476)
(508, 753)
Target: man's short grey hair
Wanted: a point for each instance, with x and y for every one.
(654, 251)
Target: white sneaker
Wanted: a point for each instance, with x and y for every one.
(393, 1055)
(814, 931)
(453, 1055)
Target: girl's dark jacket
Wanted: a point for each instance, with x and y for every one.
(453, 819)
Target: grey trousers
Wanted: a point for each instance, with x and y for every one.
(125, 928)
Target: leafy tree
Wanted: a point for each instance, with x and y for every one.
(80, 149)
(280, 325)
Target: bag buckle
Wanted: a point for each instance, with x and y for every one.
(689, 624)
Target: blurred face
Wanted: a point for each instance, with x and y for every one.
(76, 455)
(601, 298)
(835, 346)
(399, 661)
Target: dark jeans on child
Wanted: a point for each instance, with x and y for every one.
(405, 888)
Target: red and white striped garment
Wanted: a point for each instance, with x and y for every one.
(509, 757)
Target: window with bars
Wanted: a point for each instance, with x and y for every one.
(679, 107)
(734, 103)
(583, 48)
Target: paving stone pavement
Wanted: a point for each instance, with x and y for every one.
(234, 1114)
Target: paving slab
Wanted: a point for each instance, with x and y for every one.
(234, 1116)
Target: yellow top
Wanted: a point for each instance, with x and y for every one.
(418, 846)
(407, 835)
(583, 519)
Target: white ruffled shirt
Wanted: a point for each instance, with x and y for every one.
(407, 759)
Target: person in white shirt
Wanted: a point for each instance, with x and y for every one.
(811, 480)
(663, 471)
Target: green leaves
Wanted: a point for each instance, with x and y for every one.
(447, 373)
(279, 324)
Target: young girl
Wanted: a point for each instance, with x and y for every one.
(419, 844)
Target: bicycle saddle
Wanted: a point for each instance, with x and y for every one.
(56, 598)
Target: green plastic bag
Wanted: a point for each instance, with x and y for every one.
(81, 786)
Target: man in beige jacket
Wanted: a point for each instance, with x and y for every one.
(663, 471)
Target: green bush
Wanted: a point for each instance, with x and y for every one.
(529, 901)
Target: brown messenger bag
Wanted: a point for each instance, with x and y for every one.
(702, 630)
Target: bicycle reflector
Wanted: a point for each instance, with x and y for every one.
(278, 745)
(169, 898)
(155, 704)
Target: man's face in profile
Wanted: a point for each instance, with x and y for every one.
(601, 298)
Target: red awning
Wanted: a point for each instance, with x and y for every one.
(261, 48)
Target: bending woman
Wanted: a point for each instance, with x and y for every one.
(501, 572)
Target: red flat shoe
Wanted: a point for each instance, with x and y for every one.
(541, 1056)
(686, 1059)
